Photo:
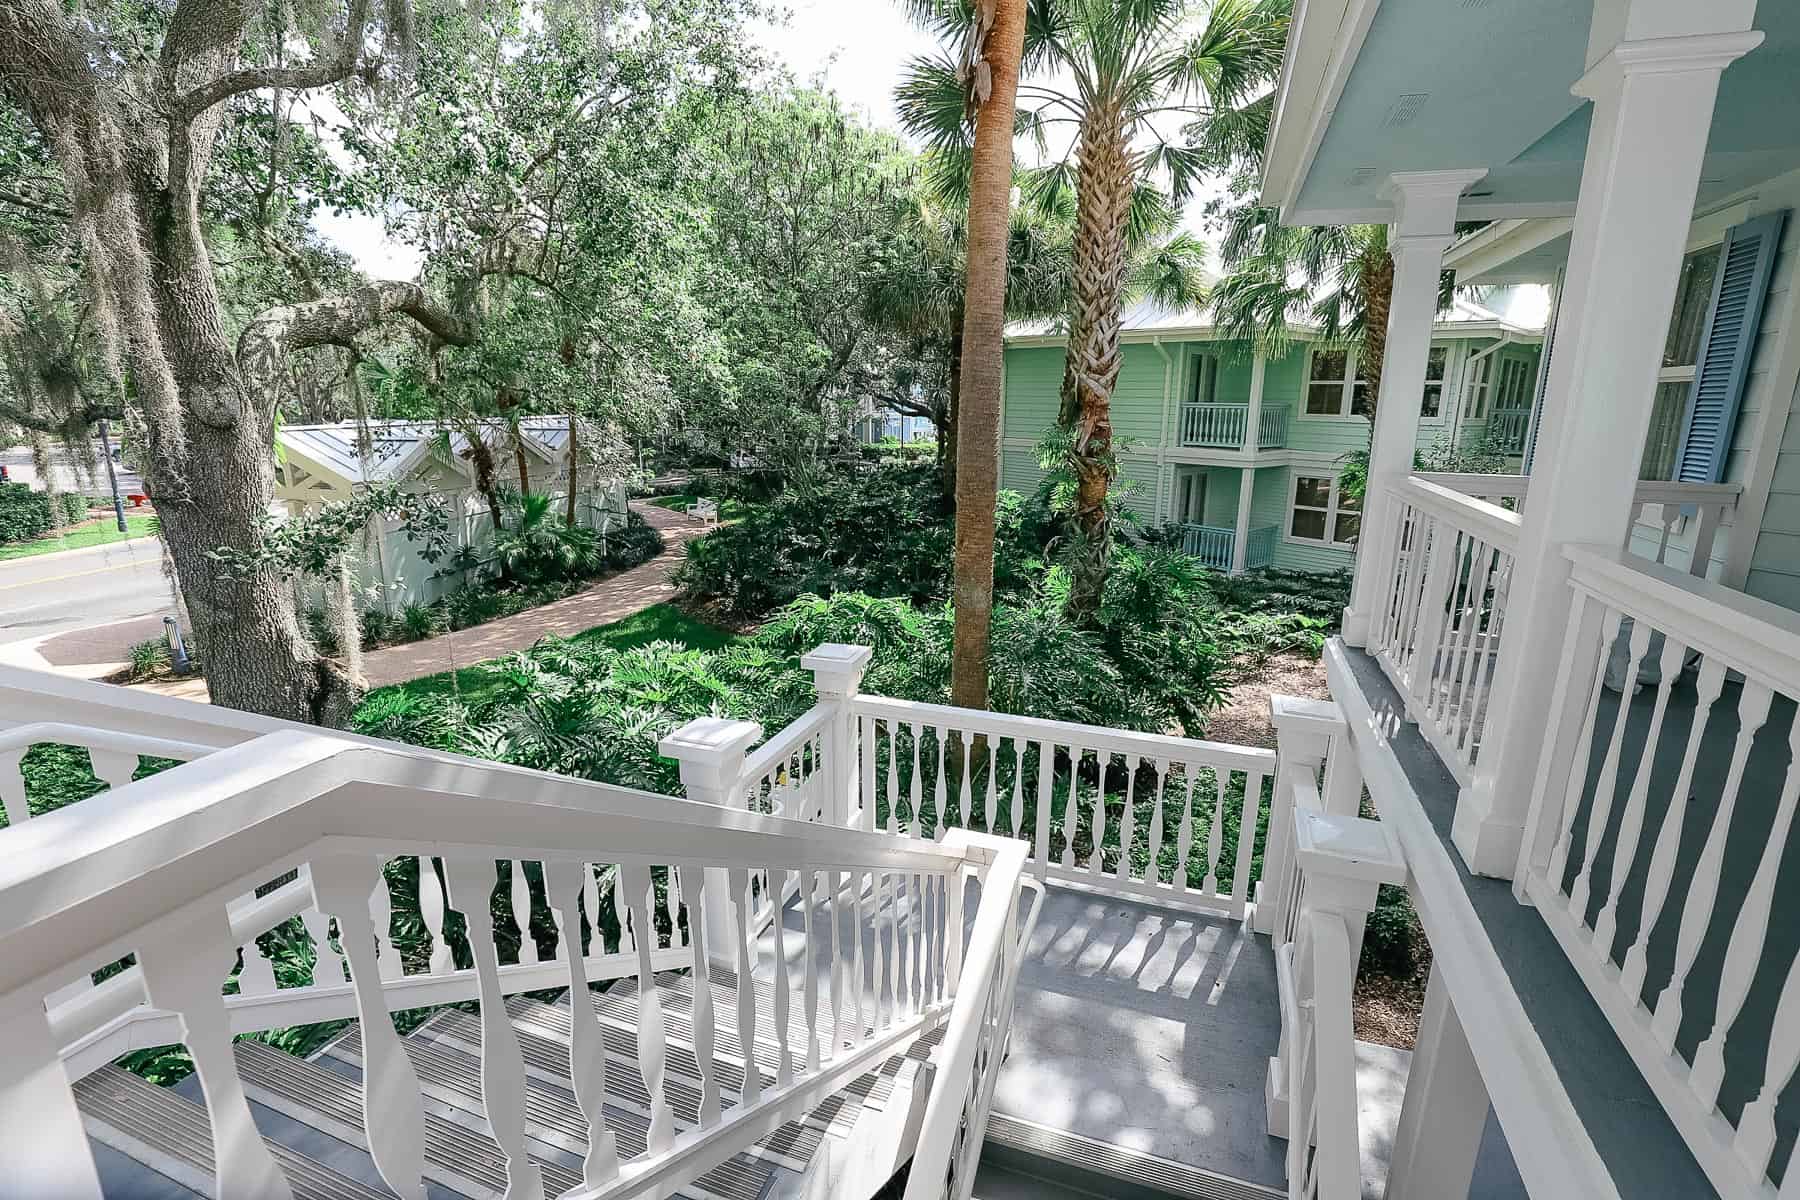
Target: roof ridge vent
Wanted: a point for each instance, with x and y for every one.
(1405, 109)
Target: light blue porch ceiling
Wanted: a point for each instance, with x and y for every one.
(1443, 84)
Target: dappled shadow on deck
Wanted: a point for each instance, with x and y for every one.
(1147, 1029)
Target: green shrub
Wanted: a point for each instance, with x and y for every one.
(377, 627)
(418, 621)
(148, 657)
(24, 514)
(74, 506)
(1392, 935)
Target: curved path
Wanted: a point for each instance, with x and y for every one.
(611, 599)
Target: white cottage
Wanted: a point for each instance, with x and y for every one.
(318, 464)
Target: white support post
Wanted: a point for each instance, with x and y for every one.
(711, 753)
(1310, 735)
(837, 671)
(1240, 549)
(1240, 542)
(1445, 1110)
(1340, 864)
(1424, 224)
(1655, 75)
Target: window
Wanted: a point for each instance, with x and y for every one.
(1433, 402)
(1475, 405)
(1322, 513)
(1514, 390)
(1681, 350)
(1206, 379)
(1336, 385)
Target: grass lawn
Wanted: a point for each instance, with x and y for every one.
(658, 623)
(729, 510)
(92, 533)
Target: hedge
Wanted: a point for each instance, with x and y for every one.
(25, 514)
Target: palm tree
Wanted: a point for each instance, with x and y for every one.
(1123, 72)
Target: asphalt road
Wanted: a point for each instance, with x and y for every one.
(17, 460)
(76, 589)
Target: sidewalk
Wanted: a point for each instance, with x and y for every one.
(611, 599)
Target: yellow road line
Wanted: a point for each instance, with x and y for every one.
(70, 575)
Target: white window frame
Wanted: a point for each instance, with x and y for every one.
(1347, 388)
(1295, 475)
(1475, 406)
(1684, 374)
(1445, 392)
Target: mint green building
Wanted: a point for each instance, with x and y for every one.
(1244, 452)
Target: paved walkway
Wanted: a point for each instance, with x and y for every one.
(612, 599)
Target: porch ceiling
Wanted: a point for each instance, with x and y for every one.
(1434, 85)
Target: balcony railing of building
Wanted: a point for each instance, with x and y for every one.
(1215, 545)
(1507, 429)
(1226, 426)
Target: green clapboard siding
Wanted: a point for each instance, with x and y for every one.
(1033, 382)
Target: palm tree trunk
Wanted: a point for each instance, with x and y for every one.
(574, 473)
(984, 324)
(947, 453)
(1104, 186)
(1378, 295)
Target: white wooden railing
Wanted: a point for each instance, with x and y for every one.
(1662, 811)
(1437, 633)
(162, 872)
(1331, 866)
(928, 767)
(1216, 545)
(1225, 426)
(1507, 429)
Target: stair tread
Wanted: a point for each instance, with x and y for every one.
(173, 1125)
(454, 1150)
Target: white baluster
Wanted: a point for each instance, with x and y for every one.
(381, 920)
(1072, 806)
(1703, 887)
(565, 884)
(809, 900)
(431, 912)
(744, 903)
(859, 880)
(114, 768)
(1577, 781)
(182, 967)
(1240, 877)
(1184, 839)
(884, 978)
(893, 777)
(520, 895)
(12, 786)
(1600, 815)
(1014, 818)
(901, 943)
(1153, 872)
(1097, 864)
(916, 915)
(652, 1035)
(672, 905)
(256, 977)
(1755, 1141)
(1707, 687)
(991, 752)
(839, 1009)
(471, 883)
(1749, 933)
(967, 805)
(1046, 781)
(693, 880)
(328, 964)
(627, 926)
(912, 816)
(784, 1059)
(1631, 823)
(393, 1110)
(940, 797)
(1128, 823)
(1215, 834)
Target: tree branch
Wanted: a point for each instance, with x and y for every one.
(249, 79)
(23, 201)
(72, 423)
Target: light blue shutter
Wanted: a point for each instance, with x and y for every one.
(1746, 261)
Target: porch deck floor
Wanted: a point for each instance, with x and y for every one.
(1147, 1029)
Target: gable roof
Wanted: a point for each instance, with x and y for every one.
(399, 449)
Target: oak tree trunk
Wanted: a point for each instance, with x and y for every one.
(574, 473)
(984, 319)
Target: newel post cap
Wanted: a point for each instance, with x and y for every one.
(837, 667)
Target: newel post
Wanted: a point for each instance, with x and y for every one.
(711, 753)
(837, 670)
(1340, 863)
(1310, 737)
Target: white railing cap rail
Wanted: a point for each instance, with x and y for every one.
(1153, 746)
(956, 1057)
(1489, 522)
(1760, 639)
(1474, 483)
(77, 884)
(23, 737)
(772, 753)
(1667, 491)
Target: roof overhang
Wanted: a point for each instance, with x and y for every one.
(1370, 88)
(1300, 333)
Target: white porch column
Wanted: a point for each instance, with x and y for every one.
(711, 753)
(837, 669)
(1655, 75)
(1445, 1110)
(1240, 548)
(1424, 224)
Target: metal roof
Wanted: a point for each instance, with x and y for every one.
(398, 449)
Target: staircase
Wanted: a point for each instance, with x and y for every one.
(310, 1111)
